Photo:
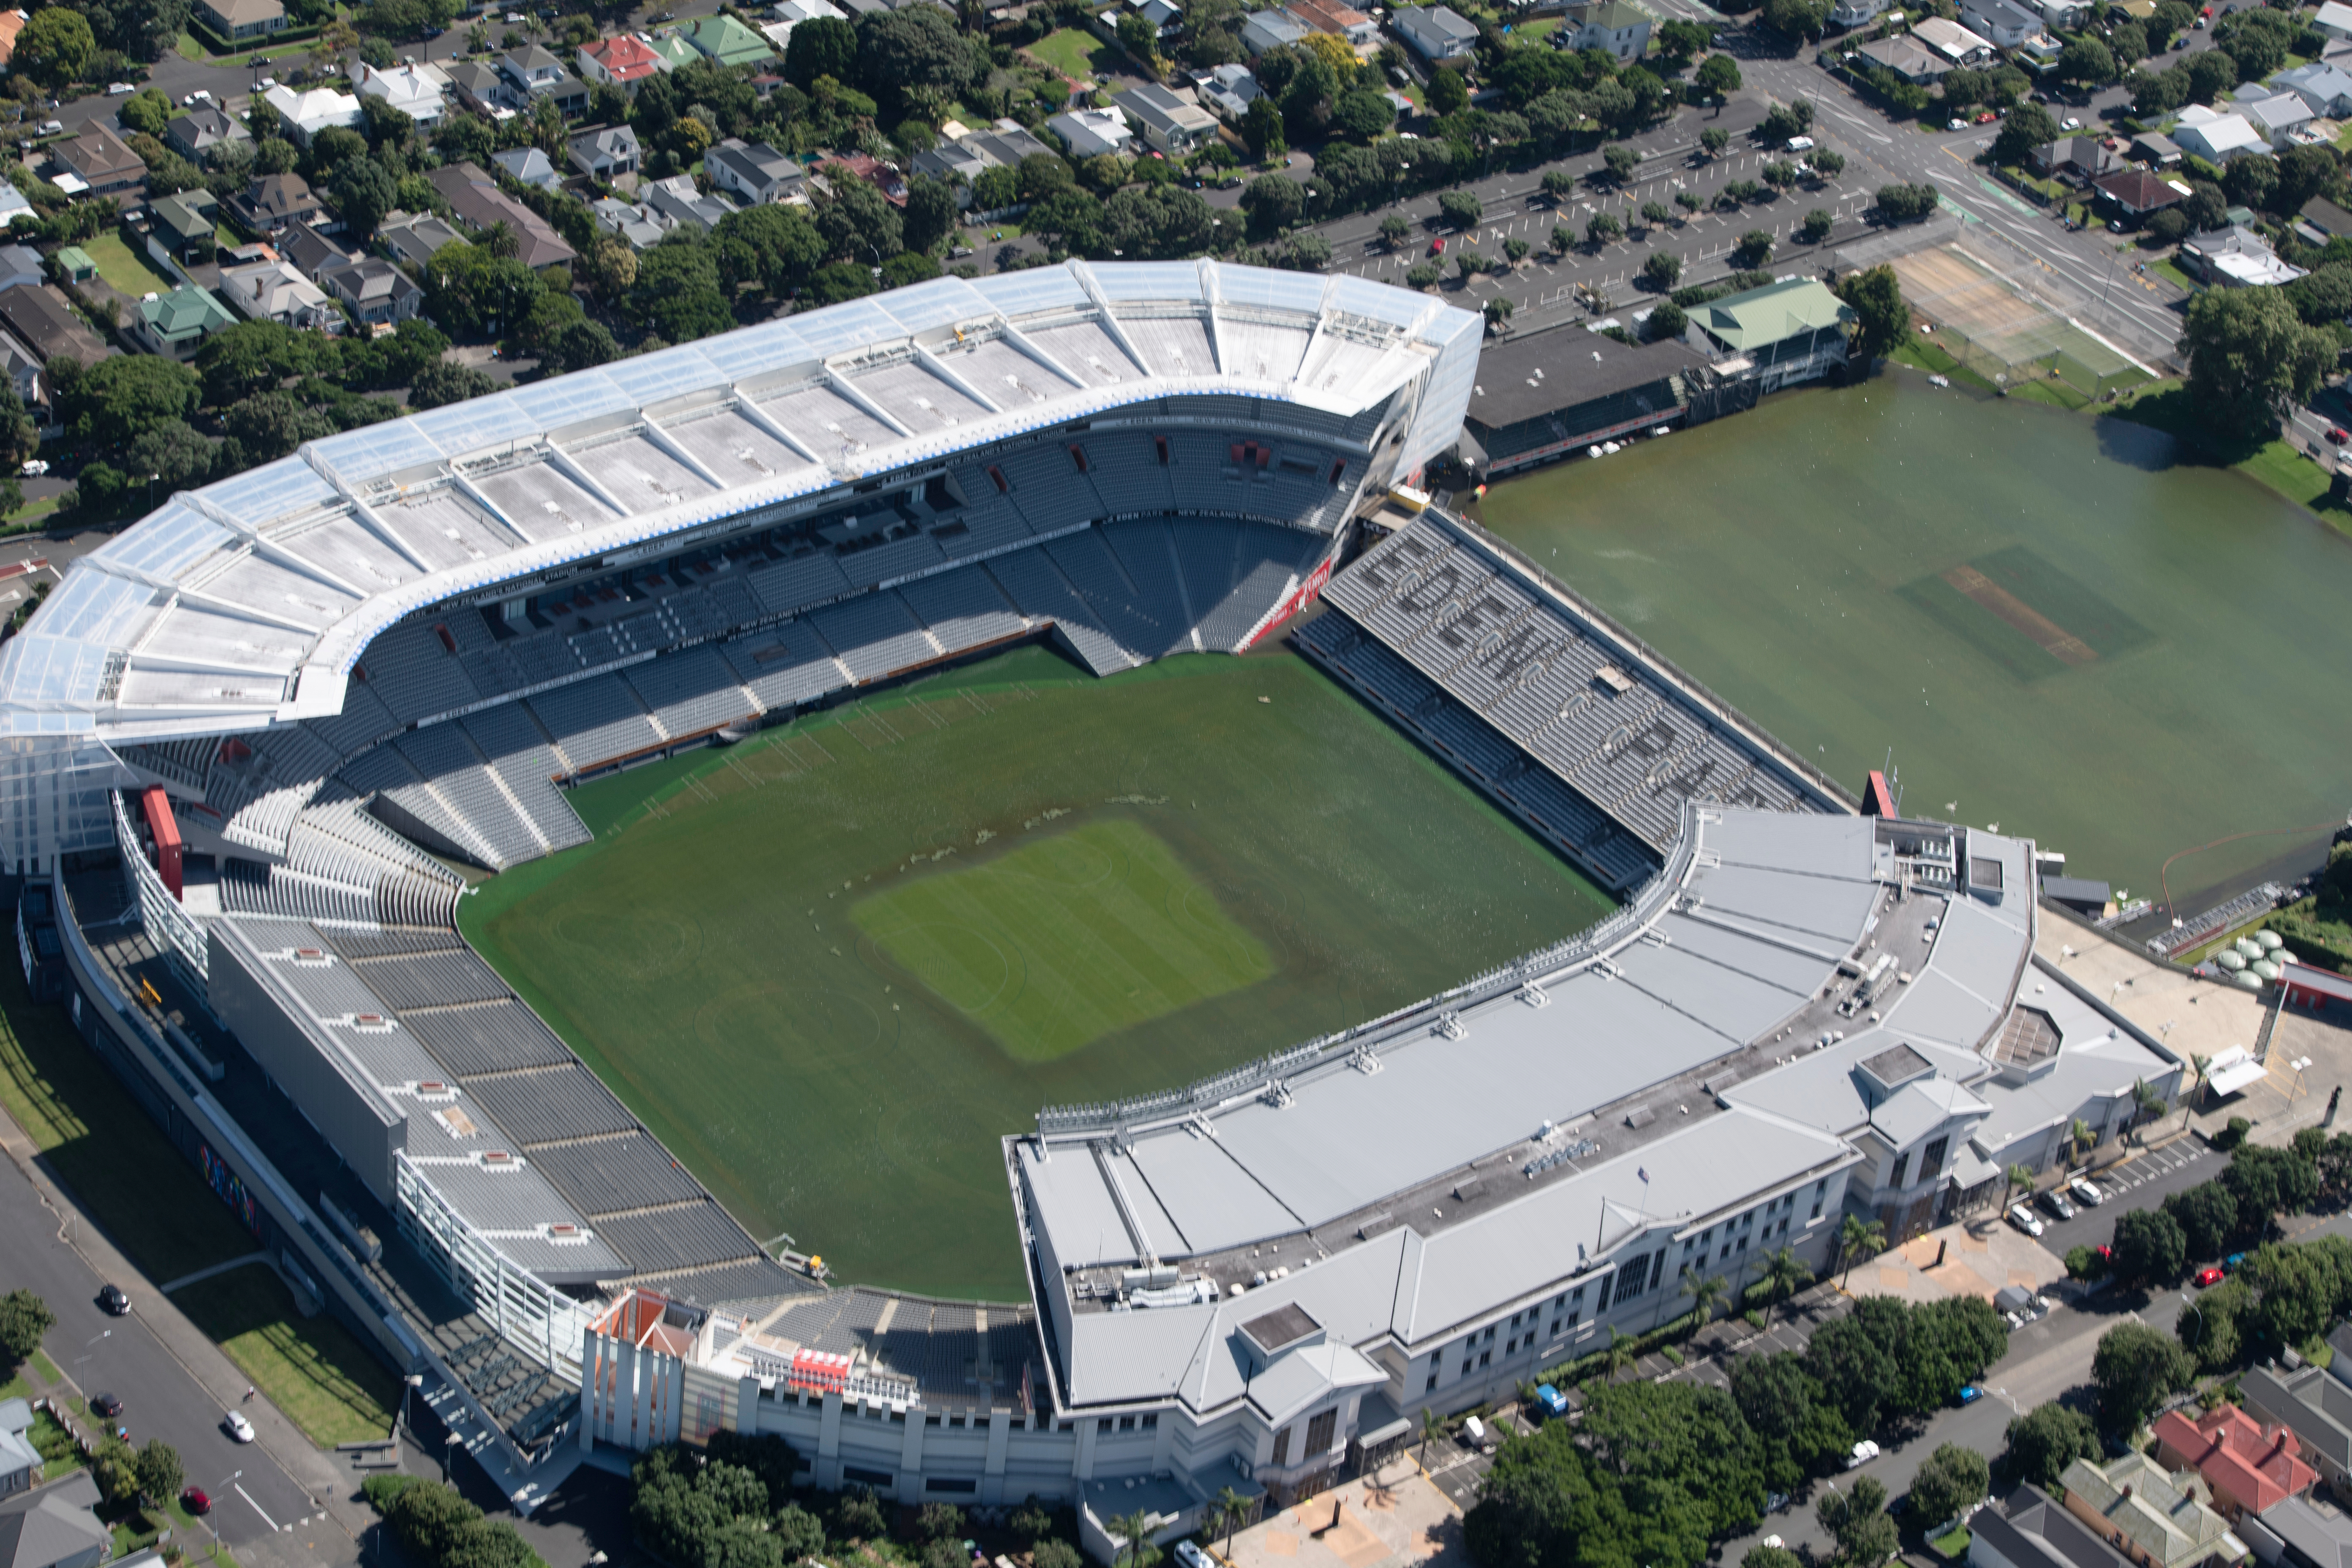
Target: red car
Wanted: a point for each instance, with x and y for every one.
(2337, 436)
(194, 1499)
(1437, 248)
(2209, 1276)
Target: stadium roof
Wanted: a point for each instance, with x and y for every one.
(1526, 378)
(249, 601)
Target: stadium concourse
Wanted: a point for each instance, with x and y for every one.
(246, 738)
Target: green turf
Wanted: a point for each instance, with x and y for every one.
(1052, 945)
(1076, 54)
(312, 1369)
(734, 953)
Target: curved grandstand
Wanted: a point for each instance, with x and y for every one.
(331, 676)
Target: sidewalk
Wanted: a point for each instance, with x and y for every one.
(1976, 1256)
(1395, 1516)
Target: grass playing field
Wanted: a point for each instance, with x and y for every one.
(796, 959)
(1052, 945)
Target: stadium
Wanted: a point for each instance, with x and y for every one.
(249, 739)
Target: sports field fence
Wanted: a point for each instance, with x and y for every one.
(2006, 360)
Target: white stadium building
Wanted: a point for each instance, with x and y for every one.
(242, 738)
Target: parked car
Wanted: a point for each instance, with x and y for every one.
(1863, 1452)
(2337, 436)
(2055, 1202)
(1437, 246)
(238, 1426)
(2209, 1275)
(1958, 125)
(1801, 144)
(2233, 1263)
(2085, 1192)
(52, 128)
(118, 90)
(2024, 1219)
(113, 1297)
(1191, 1556)
(1970, 1393)
(1987, 116)
(194, 1500)
(105, 1405)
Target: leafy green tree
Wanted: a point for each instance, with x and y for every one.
(147, 111)
(856, 1516)
(56, 48)
(1667, 321)
(363, 192)
(1875, 295)
(2269, 1181)
(269, 425)
(2216, 1327)
(158, 1470)
(1760, 1556)
(1056, 1553)
(2136, 1368)
(1423, 275)
(445, 382)
(1447, 94)
(1363, 114)
(1620, 161)
(1684, 1449)
(1549, 1503)
(172, 454)
(1717, 77)
(1460, 209)
(2028, 126)
(1662, 271)
(1801, 1432)
(1262, 129)
(1954, 1477)
(932, 214)
(1856, 1519)
(1273, 202)
(1906, 203)
(118, 398)
(2046, 1439)
(1816, 226)
(20, 437)
(2250, 357)
(2207, 1215)
(2148, 1246)
(824, 48)
(1857, 1375)
(24, 1319)
(2086, 61)
(1656, 213)
(1395, 229)
(1714, 140)
(1601, 228)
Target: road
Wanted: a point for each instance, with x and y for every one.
(263, 1513)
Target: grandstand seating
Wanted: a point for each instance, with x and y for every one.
(690, 691)
(787, 664)
(1032, 581)
(877, 634)
(523, 760)
(444, 759)
(1144, 623)
(964, 608)
(415, 675)
(594, 721)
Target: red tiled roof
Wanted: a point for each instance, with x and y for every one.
(2255, 1468)
(624, 58)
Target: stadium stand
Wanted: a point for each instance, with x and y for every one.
(787, 664)
(875, 635)
(595, 721)
(691, 691)
(521, 757)
(964, 609)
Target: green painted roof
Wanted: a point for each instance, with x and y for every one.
(1778, 310)
(75, 259)
(1615, 16)
(673, 47)
(185, 312)
(729, 41)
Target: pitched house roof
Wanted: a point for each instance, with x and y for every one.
(2151, 1511)
(101, 157)
(185, 311)
(11, 24)
(2038, 1533)
(2137, 190)
(205, 127)
(413, 237)
(52, 1524)
(281, 196)
(476, 198)
(1774, 312)
(623, 58)
(2252, 1465)
(43, 321)
(188, 215)
(728, 41)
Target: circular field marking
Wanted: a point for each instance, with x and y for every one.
(961, 966)
(638, 943)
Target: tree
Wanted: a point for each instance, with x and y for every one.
(1395, 229)
(1816, 226)
(1601, 228)
(24, 1319)
(1684, 1449)
(1679, 42)
(1761, 1556)
(1786, 1408)
(1447, 95)
(2306, 171)
(363, 192)
(1656, 213)
(1714, 140)
(2207, 1215)
(1230, 1511)
(172, 454)
(1262, 129)
(1134, 1530)
(1797, 18)
(1779, 174)
(1905, 203)
(1718, 78)
(1273, 202)
(2250, 357)
(2086, 61)
(1687, 200)
(1825, 163)
(2148, 1246)
(826, 47)
(119, 397)
(445, 382)
(1667, 321)
(1056, 1553)
(1953, 1477)
(55, 47)
(2046, 1439)
(146, 110)
(1460, 209)
(1362, 114)
(1621, 160)
(1497, 312)
(1856, 1519)
(1754, 249)
(1875, 295)
(1859, 1237)
(2136, 1368)
(1422, 274)
(20, 437)
(1705, 1291)
(158, 1470)
(2028, 126)
(2268, 1181)
(1662, 271)
(1856, 1374)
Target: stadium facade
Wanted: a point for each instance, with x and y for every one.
(243, 739)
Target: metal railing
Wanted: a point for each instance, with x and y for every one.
(530, 1314)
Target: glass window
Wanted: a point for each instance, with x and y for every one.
(1319, 1432)
(1282, 1446)
(1902, 1166)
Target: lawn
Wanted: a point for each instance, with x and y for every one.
(2277, 464)
(1075, 53)
(1534, 32)
(1058, 943)
(122, 268)
(323, 1379)
(2167, 267)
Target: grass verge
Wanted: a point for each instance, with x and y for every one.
(1952, 1545)
(311, 1368)
(1074, 54)
(2275, 464)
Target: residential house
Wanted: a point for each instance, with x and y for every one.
(13, 205)
(676, 201)
(1786, 333)
(2326, 88)
(2155, 147)
(2277, 117)
(1613, 26)
(1855, 13)
(1170, 123)
(858, 8)
(379, 294)
(2004, 22)
(623, 62)
(19, 264)
(2335, 19)
(528, 166)
(2320, 221)
(1270, 28)
(2064, 14)
(103, 160)
(1434, 32)
(608, 153)
(413, 237)
(54, 1527)
(419, 91)
(728, 42)
(176, 325)
(673, 51)
(273, 201)
(1951, 41)
(2215, 136)
(12, 23)
(1229, 89)
(74, 265)
(754, 171)
(1160, 15)
(791, 14)
(2307, 1531)
(27, 374)
(2248, 1466)
(1343, 21)
(965, 158)
(530, 73)
(641, 226)
(1090, 132)
(2074, 157)
(1908, 58)
(479, 87)
(474, 195)
(184, 225)
(238, 19)
(308, 251)
(42, 319)
(2129, 198)
(882, 176)
(269, 290)
(201, 134)
(2037, 1532)
(2154, 1519)
(2314, 1405)
(305, 114)
(20, 1462)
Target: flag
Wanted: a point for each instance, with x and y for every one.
(1643, 1171)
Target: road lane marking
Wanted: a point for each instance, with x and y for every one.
(257, 1507)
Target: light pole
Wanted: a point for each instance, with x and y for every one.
(399, 1423)
(221, 1487)
(87, 1354)
(447, 1444)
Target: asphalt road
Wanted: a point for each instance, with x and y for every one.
(162, 1398)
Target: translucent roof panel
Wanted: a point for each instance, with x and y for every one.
(839, 329)
(582, 395)
(755, 351)
(1283, 290)
(168, 541)
(653, 378)
(271, 490)
(1362, 297)
(940, 303)
(463, 427)
(640, 475)
(542, 503)
(1086, 351)
(444, 530)
(342, 545)
(359, 456)
(1171, 280)
(1031, 289)
(97, 607)
(191, 635)
(36, 671)
(734, 448)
